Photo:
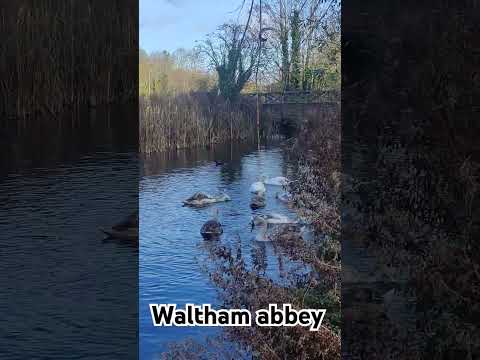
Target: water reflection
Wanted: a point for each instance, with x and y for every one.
(47, 142)
(67, 294)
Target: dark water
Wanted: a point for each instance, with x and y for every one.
(65, 292)
(171, 247)
(67, 282)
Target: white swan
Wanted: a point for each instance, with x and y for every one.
(260, 220)
(258, 187)
(200, 199)
(279, 219)
(277, 181)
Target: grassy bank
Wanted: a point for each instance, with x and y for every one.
(194, 120)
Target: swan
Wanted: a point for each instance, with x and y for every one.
(200, 199)
(286, 231)
(258, 202)
(277, 181)
(260, 220)
(258, 187)
(212, 229)
(279, 219)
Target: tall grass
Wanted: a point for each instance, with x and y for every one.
(58, 54)
(194, 120)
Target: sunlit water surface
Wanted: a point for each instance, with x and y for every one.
(172, 251)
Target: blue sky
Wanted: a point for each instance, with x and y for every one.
(171, 24)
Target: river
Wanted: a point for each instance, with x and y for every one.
(66, 292)
(77, 296)
(172, 250)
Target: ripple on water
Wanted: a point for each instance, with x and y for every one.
(76, 289)
(170, 269)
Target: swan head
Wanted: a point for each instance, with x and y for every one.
(224, 197)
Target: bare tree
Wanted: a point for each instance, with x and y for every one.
(232, 52)
(301, 31)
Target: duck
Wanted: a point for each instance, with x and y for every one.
(258, 201)
(126, 229)
(218, 163)
(200, 199)
(277, 181)
(212, 229)
(258, 187)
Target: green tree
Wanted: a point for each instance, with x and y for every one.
(232, 53)
(296, 72)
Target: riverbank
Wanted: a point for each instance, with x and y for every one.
(315, 191)
(76, 133)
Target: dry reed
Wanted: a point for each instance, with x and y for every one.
(59, 54)
(193, 120)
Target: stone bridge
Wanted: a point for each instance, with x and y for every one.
(285, 112)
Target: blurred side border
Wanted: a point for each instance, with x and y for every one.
(410, 158)
(69, 88)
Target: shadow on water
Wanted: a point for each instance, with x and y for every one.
(227, 155)
(45, 142)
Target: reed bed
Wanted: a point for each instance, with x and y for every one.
(59, 54)
(193, 120)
